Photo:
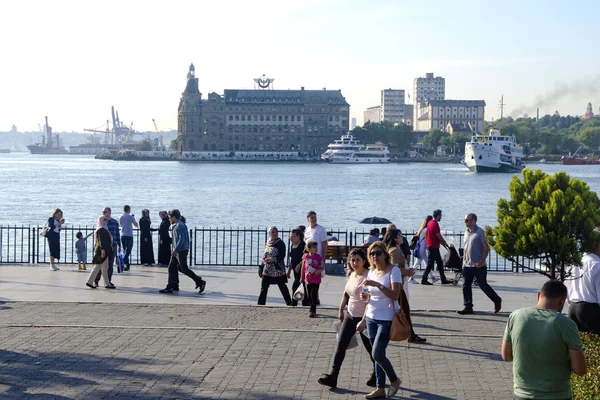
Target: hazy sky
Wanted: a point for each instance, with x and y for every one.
(72, 60)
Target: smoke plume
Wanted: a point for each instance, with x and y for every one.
(584, 87)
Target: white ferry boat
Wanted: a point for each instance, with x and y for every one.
(493, 153)
(348, 150)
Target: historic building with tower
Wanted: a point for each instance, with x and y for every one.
(260, 120)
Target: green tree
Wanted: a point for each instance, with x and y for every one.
(434, 138)
(590, 136)
(551, 219)
(455, 143)
(174, 145)
(399, 137)
(144, 145)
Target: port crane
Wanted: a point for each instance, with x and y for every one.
(119, 133)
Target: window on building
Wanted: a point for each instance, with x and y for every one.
(231, 117)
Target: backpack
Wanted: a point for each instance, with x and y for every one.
(413, 242)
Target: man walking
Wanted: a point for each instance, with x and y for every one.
(584, 293)
(113, 228)
(474, 265)
(317, 233)
(433, 240)
(544, 346)
(127, 222)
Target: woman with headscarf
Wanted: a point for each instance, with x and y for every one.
(54, 225)
(273, 269)
(164, 240)
(103, 251)
(146, 248)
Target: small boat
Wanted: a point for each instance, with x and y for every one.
(576, 160)
(349, 150)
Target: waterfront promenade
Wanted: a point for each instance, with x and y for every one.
(62, 340)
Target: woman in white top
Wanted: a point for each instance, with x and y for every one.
(421, 252)
(384, 282)
(357, 265)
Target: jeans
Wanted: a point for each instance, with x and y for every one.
(111, 263)
(379, 333)
(178, 264)
(480, 274)
(283, 288)
(127, 242)
(434, 256)
(347, 330)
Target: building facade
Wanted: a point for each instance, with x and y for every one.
(300, 121)
(392, 105)
(436, 114)
(373, 114)
(426, 89)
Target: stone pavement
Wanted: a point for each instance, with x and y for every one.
(183, 351)
(62, 340)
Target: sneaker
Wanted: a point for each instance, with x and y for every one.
(435, 279)
(497, 306)
(465, 311)
(447, 282)
(91, 286)
(126, 269)
(412, 280)
(201, 286)
(425, 282)
(328, 380)
(54, 267)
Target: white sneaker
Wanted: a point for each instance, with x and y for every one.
(413, 280)
(434, 279)
(54, 267)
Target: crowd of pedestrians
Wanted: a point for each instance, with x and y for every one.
(543, 344)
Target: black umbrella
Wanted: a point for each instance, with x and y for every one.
(375, 221)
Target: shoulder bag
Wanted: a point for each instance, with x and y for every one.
(400, 329)
(44, 231)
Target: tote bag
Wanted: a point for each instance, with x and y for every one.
(400, 329)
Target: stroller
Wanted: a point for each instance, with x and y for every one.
(453, 262)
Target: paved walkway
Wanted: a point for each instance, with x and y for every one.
(62, 340)
(236, 285)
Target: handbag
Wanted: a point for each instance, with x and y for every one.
(400, 329)
(44, 231)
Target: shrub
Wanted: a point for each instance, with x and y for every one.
(587, 387)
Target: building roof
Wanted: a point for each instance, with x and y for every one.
(459, 127)
(291, 97)
(373, 108)
(424, 117)
(458, 103)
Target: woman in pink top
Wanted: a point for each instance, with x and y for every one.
(312, 265)
(357, 260)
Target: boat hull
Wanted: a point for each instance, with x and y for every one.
(498, 168)
(37, 149)
(482, 158)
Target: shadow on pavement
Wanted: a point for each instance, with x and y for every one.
(418, 394)
(457, 350)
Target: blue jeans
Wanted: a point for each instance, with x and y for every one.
(127, 242)
(379, 334)
(481, 275)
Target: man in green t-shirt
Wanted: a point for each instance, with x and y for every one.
(544, 346)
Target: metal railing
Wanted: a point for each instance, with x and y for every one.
(218, 246)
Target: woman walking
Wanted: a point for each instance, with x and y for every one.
(273, 272)
(103, 251)
(421, 250)
(295, 261)
(146, 248)
(393, 241)
(384, 282)
(54, 225)
(178, 262)
(357, 263)
(164, 240)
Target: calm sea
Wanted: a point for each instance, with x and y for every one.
(252, 194)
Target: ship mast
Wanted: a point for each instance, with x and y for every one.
(501, 112)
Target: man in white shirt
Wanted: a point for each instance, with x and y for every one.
(317, 233)
(584, 293)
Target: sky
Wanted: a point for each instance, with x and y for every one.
(73, 60)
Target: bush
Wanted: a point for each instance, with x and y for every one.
(587, 387)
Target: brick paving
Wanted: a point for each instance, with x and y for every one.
(188, 351)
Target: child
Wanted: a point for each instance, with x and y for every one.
(81, 246)
(312, 265)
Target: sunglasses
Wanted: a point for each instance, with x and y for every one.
(468, 220)
(376, 253)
